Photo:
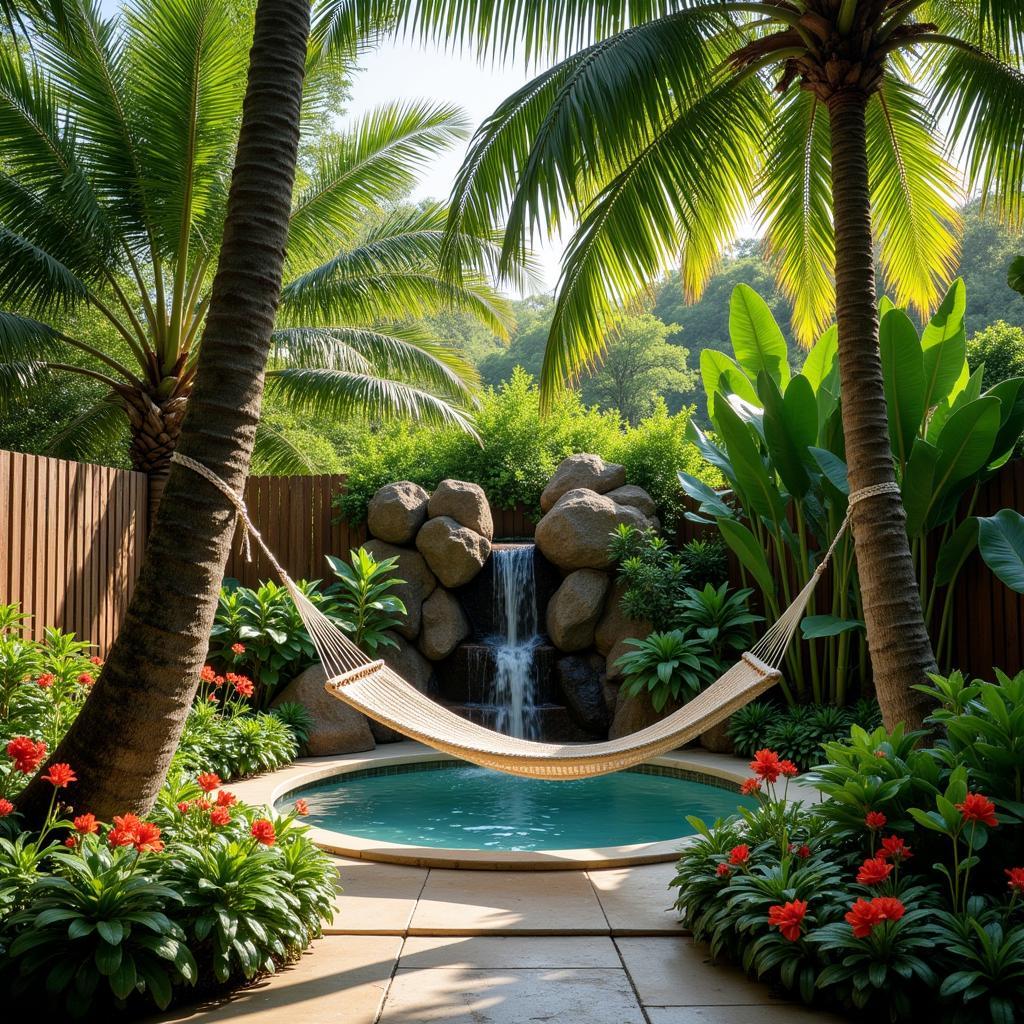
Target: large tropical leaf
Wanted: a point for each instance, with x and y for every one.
(903, 378)
(756, 338)
(1001, 543)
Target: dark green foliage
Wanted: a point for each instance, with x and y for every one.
(705, 560)
(1000, 348)
(722, 620)
(297, 717)
(360, 603)
(672, 666)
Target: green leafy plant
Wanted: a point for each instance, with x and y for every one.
(748, 727)
(297, 717)
(722, 620)
(654, 576)
(360, 600)
(666, 666)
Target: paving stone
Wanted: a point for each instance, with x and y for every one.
(339, 980)
(500, 996)
(637, 900)
(378, 899)
(676, 972)
(781, 1013)
(457, 902)
(519, 951)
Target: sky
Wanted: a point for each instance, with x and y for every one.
(398, 70)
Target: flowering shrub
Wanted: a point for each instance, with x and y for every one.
(902, 893)
(205, 892)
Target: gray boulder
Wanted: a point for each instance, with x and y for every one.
(407, 661)
(397, 511)
(574, 609)
(634, 496)
(337, 727)
(418, 586)
(455, 553)
(589, 471)
(464, 502)
(576, 532)
(635, 713)
(444, 625)
(581, 682)
(614, 625)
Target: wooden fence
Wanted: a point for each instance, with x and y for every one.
(71, 541)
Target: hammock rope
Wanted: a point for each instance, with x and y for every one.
(375, 689)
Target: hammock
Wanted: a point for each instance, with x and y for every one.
(376, 690)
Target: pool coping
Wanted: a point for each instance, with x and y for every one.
(268, 789)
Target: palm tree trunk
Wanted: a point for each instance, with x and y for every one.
(123, 740)
(155, 430)
(901, 652)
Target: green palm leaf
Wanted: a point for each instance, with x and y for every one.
(97, 428)
(278, 455)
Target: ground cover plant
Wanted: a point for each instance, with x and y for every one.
(902, 893)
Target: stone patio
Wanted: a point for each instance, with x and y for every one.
(427, 945)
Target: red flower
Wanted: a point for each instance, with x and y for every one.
(96, 660)
(766, 765)
(46, 680)
(218, 681)
(125, 830)
(203, 805)
(263, 831)
(874, 871)
(1016, 879)
(863, 918)
(895, 847)
(183, 807)
(888, 907)
(739, 854)
(220, 816)
(71, 842)
(212, 698)
(244, 687)
(147, 838)
(26, 754)
(875, 820)
(238, 648)
(788, 918)
(788, 769)
(208, 781)
(722, 870)
(803, 851)
(5, 807)
(750, 786)
(301, 807)
(206, 674)
(881, 754)
(86, 679)
(977, 808)
(86, 824)
(60, 775)
(225, 799)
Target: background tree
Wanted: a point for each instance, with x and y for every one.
(122, 742)
(118, 135)
(639, 366)
(659, 125)
(1000, 349)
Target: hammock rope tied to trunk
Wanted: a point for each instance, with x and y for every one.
(375, 689)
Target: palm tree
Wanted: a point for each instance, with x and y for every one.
(662, 123)
(122, 742)
(118, 137)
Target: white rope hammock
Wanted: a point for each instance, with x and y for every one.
(378, 691)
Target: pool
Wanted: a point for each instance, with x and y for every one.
(462, 807)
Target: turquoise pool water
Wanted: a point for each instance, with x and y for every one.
(466, 807)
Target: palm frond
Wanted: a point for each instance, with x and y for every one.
(690, 180)
(96, 428)
(278, 455)
(348, 27)
(796, 205)
(913, 197)
(316, 347)
(335, 394)
(25, 345)
(374, 163)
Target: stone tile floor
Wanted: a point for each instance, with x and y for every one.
(427, 946)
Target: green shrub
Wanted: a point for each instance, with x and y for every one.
(722, 620)
(665, 666)
(360, 603)
(1000, 348)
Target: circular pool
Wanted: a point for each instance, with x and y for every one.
(454, 807)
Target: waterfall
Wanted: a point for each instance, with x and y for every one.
(514, 645)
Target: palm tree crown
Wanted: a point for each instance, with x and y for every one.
(118, 138)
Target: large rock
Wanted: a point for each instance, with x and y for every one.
(397, 511)
(444, 625)
(635, 713)
(581, 682)
(614, 625)
(635, 496)
(465, 503)
(589, 471)
(337, 727)
(407, 661)
(576, 533)
(418, 586)
(455, 553)
(574, 609)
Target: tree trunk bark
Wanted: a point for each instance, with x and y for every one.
(123, 740)
(155, 430)
(901, 652)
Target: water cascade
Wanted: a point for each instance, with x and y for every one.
(515, 642)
